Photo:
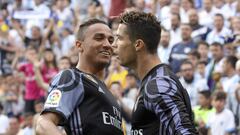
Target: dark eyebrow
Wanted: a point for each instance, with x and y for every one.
(99, 34)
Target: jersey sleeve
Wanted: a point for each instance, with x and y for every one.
(66, 92)
(161, 97)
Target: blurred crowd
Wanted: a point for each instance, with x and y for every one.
(200, 41)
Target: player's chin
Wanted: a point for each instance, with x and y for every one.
(104, 61)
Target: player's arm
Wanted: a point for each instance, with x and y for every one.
(161, 98)
(65, 94)
(47, 124)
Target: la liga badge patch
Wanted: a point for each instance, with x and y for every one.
(53, 98)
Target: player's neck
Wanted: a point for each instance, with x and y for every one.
(91, 70)
(146, 63)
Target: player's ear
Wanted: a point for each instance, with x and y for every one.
(139, 44)
(79, 46)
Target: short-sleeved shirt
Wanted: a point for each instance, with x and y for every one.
(85, 105)
(33, 91)
(221, 123)
(163, 106)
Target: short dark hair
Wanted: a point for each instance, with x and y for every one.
(206, 93)
(143, 26)
(203, 43)
(131, 74)
(186, 24)
(219, 15)
(195, 53)
(232, 60)
(85, 25)
(65, 58)
(184, 62)
(202, 62)
(177, 15)
(219, 95)
(217, 44)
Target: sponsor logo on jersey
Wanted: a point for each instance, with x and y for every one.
(137, 132)
(114, 120)
(53, 98)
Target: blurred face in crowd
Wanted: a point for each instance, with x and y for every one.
(64, 64)
(38, 2)
(29, 120)
(193, 59)
(96, 45)
(218, 3)
(49, 56)
(163, 2)
(125, 49)
(218, 105)
(186, 4)
(186, 32)
(165, 38)
(131, 82)
(207, 4)
(115, 62)
(201, 69)
(92, 9)
(61, 4)
(38, 107)
(193, 17)
(140, 4)
(202, 50)
(236, 24)
(187, 72)
(218, 23)
(174, 8)
(229, 50)
(36, 32)
(175, 22)
(31, 54)
(116, 90)
(216, 52)
(203, 101)
(4, 13)
(115, 27)
(14, 126)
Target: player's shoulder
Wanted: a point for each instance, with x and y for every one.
(66, 77)
(161, 84)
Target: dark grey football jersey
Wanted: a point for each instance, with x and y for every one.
(84, 104)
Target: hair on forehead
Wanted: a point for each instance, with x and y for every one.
(83, 27)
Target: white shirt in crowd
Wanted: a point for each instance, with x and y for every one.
(220, 37)
(228, 82)
(177, 37)
(198, 84)
(206, 18)
(164, 53)
(4, 123)
(221, 123)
